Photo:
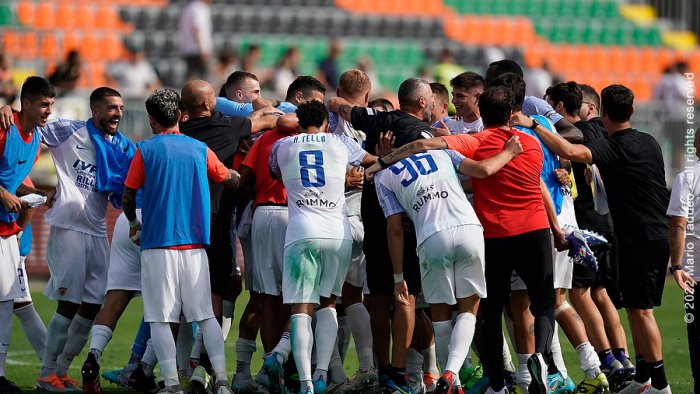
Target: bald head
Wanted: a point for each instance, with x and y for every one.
(198, 98)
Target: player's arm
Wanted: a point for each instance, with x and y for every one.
(560, 242)
(341, 107)
(491, 165)
(23, 190)
(287, 123)
(7, 117)
(561, 147)
(11, 202)
(394, 232)
(260, 103)
(568, 131)
(264, 119)
(403, 152)
(676, 239)
(217, 172)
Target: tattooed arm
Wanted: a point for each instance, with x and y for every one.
(341, 107)
(403, 152)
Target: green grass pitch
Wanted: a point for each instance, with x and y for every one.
(23, 366)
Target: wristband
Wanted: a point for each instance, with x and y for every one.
(398, 278)
(382, 163)
(674, 268)
(134, 223)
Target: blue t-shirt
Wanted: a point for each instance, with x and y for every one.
(232, 108)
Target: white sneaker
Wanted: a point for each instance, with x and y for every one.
(636, 388)
(651, 390)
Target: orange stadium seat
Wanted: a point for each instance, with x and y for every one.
(11, 42)
(26, 12)
(29, 45)
(90, 46)
(107, 17)
(65, 16)
(85, 16)
(50, 48)
(112, 47)
(45, 15)
(71, 41)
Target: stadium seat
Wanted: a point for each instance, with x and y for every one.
(26, 12)
(44, 15)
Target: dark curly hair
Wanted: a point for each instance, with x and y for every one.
(312, 114)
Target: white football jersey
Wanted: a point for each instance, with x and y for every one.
(78, 205)
(425, 186)
(313, 167)
(340, 126)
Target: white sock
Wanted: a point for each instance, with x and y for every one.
(33, 328)
(99, 338)
(227, 317)
(5, 331)
(56, 337)
(150, 359)
(325, 336)
(590, 363)
(430, 361)
(522, 376)
(183, 346)
(362, 333)
(461, 338)
(78, 333)
(443, 331)
(335, 368)
(196, 348)
(214, 342)
(557, 356)
(244, 354)
(343, 336)
(414, 363)
(164, 347)
(283, 348)
(468, 360)
(302, 346)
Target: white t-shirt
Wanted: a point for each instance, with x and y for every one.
(196, 16)
(462, 127)
(685, 202)
(133, 79)
(313, 167)
(340, 126)
(78, 205)
(425, 186)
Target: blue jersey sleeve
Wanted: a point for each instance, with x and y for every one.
(274, 165)
(287, 107)
(387, 200)
(57, 132)
(456, 158)
(536, 106)
(355, 152)
(232, 108)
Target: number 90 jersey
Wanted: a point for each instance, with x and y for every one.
(313, 168)
(425, 186)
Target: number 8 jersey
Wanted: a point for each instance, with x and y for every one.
(313, 168)
(426, 187)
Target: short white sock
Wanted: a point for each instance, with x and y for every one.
(283, 348)
(227, 317)
(362, 333)
(430, 361)
(183, 346)
(461, 338)
(522, 376)
(99, 338)
(325, 336)
(244, 354)
(78, 333)
(343, 336)
(56, 336)
(5, 331)
(443, 332)
(164, 346)
(590, 363)
(33, 328)
(557, 356)
(335, 368)
(302, 345)
(214, 342)
(150, 359)
(414, 363)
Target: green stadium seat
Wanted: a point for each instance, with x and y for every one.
(5, 15)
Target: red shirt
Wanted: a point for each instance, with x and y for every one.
(216, 171)
(267, 189)
(510, 202)
(7, 229)
(466, 144)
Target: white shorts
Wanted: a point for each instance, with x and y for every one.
(175, 282)
(314, 268)
(563, 264)
(452, 265)
(9, 264)
(244, 236)
(23, 281)
(357, 274)
(78, 264)
(267, 235)
(124, 258)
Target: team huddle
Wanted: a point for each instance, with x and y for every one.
(413, 232)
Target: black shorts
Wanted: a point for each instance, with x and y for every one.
(642, 273)
(607, 259)
(220, 253)
(380, 279)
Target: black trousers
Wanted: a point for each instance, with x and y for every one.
(530, 256)
(692, 314)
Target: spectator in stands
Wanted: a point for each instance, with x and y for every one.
(196, 41)
(135, 77)
(65, 76)
(328, 68)
(227, 63)
(365, 65)
(447, 68)
(286, 71)
(8, 91)
(251, 64)
(538, 79)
